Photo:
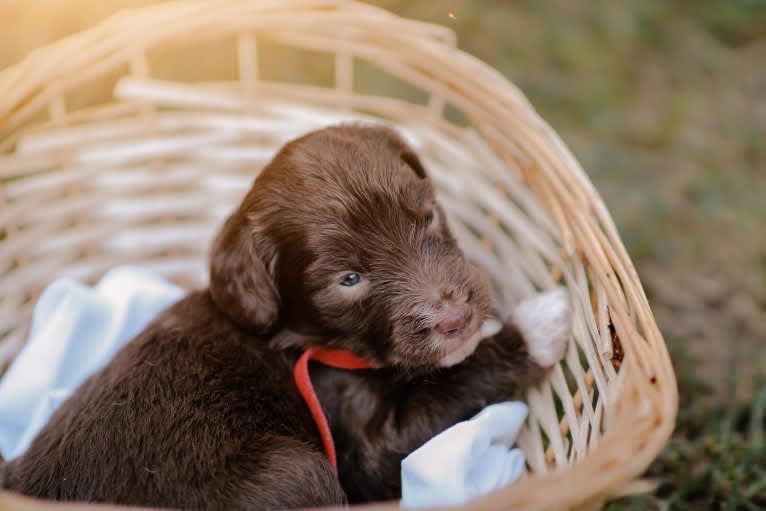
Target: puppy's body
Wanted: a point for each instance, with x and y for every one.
(196, 414)
(338, 244)
(193, 413)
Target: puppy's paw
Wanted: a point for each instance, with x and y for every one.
(545, 322)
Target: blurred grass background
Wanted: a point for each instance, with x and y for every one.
(664, 104)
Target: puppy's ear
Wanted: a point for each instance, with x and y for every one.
(241, 282)
(396, 143)
(411, 159)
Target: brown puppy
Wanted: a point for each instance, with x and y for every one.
(338, 244)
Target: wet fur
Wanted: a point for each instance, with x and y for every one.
(200, 411)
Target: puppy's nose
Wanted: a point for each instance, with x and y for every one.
(454, 319)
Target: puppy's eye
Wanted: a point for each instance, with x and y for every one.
(350, 279)
(429, 217)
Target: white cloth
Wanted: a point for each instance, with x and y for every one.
(76, 330)
(468, 460)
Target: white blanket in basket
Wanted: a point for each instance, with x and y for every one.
(77, 329)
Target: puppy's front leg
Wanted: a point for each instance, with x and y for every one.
(533, 340)
(410, 410)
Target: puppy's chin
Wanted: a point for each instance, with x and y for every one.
(438, 351)
(465, 348)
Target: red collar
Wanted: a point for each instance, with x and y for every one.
(333, 358)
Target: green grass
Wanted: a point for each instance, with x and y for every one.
(715, 459)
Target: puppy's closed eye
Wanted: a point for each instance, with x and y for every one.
(433, 220)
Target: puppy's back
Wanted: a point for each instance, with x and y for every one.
(188, 410)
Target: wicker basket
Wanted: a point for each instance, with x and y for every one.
(146, 177)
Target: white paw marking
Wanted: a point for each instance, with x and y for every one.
(545, 321)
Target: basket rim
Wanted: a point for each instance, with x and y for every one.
(26, 86)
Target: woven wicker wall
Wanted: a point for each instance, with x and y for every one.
(146, 176)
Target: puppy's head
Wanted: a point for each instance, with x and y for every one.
(340, 243)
